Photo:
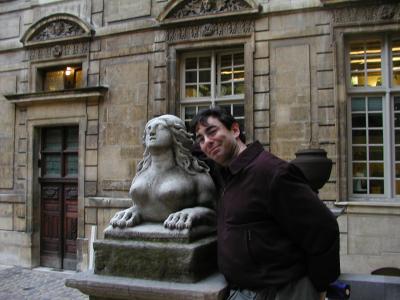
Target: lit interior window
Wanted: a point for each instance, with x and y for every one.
(61, 78)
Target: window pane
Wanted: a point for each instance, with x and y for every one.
(238, 110)
(375, 120)
(396, 62)
(397, 136)
(359, 169)
(357, 79)
(71, 165)
(398, 170)
(226, 60)
(191, 77)
(204, 76)
(374, 63)
(359, 153)
(53, 80)
(357, 65)
(226, 89)
(239, 88)
(191, 63)
(375, 153)
(365, 59)
(376, 187)
(375, 136)
(226, 75)
(238, 59)
(359, 137)
(397, 187)
(374, 79)
(374, 104)
(190, 91)
(357, 104)
(359, 186)
(376, 169)
(72, 138)
(190, 112)
(358, 120)
(397, 154)
(205, 62)
(397, 120)
(204, 90)
(52, 165)
(226, 107)
(53, 139)
(78, 78)
(238, 73)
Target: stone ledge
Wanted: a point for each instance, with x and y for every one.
(99, 287)
(108, 202)
(157, 233)
(12, 198)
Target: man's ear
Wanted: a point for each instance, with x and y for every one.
(236, 129)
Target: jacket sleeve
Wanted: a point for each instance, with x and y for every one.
(308, 223)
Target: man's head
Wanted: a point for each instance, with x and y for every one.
(218, 135)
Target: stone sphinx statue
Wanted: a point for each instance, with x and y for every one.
(170, 186)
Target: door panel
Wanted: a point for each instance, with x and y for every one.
(51, 225)
(59, 197)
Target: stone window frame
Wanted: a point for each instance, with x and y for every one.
(36, 71)
(387, 93)
(341, 35)
(48, 53)
(214, 99)
(175, 52)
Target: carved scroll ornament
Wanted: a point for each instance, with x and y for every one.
(367, 14)
(218, 29)
(58, 29)
(194, 8)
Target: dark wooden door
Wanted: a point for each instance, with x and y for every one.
(59, 197)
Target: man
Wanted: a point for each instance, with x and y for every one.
(276, 238)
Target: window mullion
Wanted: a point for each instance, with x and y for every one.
(214, 70)
(388, 120)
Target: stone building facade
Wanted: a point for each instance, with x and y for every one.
(80, 78)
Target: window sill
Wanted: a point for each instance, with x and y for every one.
(62, 95)
(370, 207)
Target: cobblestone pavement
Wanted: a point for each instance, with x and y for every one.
(18, 283)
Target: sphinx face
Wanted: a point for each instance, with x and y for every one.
(158, 135)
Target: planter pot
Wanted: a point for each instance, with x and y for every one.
(315, 165)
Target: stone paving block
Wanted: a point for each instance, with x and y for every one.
(41, 284)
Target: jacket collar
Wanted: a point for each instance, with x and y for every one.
(246, 157)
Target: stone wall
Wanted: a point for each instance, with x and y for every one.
(294, 100)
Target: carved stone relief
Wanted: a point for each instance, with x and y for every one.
(204, 7)
(58, 29)
(57, 51)
(218, 29)
(368, 14)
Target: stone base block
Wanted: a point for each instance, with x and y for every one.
(168, 260)
(100, 287)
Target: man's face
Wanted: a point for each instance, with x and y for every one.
(217, 142)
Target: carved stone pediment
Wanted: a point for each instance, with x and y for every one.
(56, 28)
(188, 10)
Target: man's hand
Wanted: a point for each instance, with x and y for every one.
(322, 295)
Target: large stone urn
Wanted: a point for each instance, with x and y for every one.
(315, 165)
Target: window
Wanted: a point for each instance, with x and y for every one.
(213, 78)
(374, 118)
(61, 78)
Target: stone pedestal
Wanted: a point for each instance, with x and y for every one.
(100, 287)
(151, 262)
